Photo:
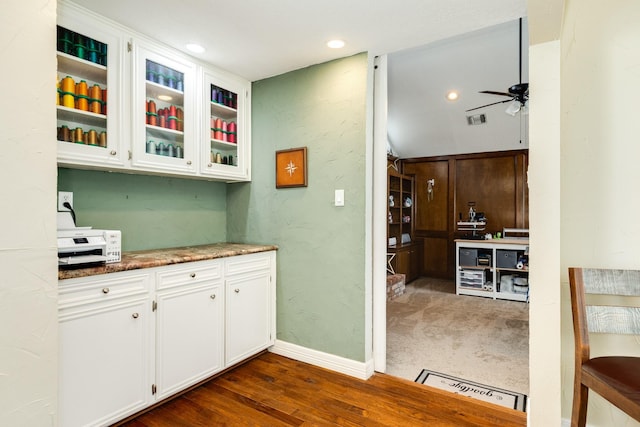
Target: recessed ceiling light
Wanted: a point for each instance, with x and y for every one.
(195, 48)
(166, 98)
(335, 44)
(452, 95)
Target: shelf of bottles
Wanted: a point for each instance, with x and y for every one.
(81, 101)
(224, 129)
(164, 111)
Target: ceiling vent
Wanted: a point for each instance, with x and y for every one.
(478, 119)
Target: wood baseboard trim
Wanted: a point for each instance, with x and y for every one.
(361, 370)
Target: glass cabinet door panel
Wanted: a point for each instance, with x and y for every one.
(89, 125)
(224, 151)
(164, 113)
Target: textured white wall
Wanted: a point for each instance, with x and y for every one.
(28, 287)
(544, 221)
(599, 162)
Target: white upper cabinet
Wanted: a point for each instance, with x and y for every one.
(89, 91)
(225, 149)
(131, 104)
(164, 111)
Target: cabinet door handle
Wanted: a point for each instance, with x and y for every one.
(192, 275)
(237, 291)
(209, 165)
(213, 296)
(105, 290)
(135, 315)
(189, 162)
(113, 152)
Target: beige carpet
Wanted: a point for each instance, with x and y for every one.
(473, 338)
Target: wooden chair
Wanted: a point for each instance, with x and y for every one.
(616, 378)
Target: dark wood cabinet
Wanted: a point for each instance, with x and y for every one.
(408, 260)
(403, 248)
(495, 182)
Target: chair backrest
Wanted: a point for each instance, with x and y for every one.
(613, 319)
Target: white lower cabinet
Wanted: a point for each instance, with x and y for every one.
(189, 326)
(249, 306)
(104, 333)
(134, 338)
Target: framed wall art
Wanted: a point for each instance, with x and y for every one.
(291, 168)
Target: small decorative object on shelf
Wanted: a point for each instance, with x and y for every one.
(391, 202)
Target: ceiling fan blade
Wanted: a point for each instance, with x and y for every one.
(492, 92)
(493, 103)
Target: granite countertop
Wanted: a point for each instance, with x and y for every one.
(159, 257)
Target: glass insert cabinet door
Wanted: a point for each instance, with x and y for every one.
(164, 112)
(224, 149)
(88, 121)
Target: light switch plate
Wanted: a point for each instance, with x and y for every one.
(339, 198)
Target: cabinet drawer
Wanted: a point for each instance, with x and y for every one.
(472, 274)
(73, 292)
(248, 263)
(188, 273)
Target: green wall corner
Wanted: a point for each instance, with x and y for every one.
(321, 256)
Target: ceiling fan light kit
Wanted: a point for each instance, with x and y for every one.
(513, 108)
(518, 94)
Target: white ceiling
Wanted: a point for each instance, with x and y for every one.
(422, 122)
(257, 39)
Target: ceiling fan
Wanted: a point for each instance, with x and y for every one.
(518, 94)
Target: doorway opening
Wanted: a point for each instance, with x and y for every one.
(422, 327)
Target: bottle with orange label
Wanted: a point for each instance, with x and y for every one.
(68, 88)
(82, 98)
(95, 99)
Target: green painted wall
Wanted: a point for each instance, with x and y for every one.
(152, 212)
(321, 262)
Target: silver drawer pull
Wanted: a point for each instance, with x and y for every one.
(189, 162)
(237, 291)
(192, 275)
(105, 290)
(213, 296)
(135, 315)
(113, 152)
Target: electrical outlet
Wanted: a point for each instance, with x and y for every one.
(64, 196)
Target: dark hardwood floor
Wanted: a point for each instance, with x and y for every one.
(272, 390)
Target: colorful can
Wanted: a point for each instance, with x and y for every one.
(104, 102)
(68, 85)
(95, 106)
(151, 147)
(78, 136)
(95, 92)
(92, 139)
(172, 123)
(102, 139)
(64, 133)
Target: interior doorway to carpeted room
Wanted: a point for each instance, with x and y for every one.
(478, 339)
